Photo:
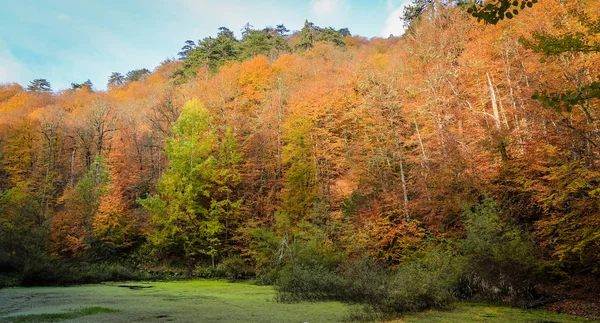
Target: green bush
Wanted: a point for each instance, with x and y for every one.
(501, 262)
(208, 272)
(425, 283)
(235, 269)
(310, 283)
(495, 261)
(57, 273)
(416, 285)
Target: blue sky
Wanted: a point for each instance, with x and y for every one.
(68, 41)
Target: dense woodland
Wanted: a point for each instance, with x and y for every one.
(313, 148)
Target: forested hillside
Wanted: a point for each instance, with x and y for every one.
(318, 148)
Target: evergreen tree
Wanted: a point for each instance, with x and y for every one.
(39, 85)
(189, 46)
(136, 75)
(311, 34)
(307, 36)
(87, 85)
(116, 79)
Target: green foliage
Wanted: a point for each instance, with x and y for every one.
(500, 258)
(48, 271)
(414, 286)
(263, 251)
(210, 51)
(116, 79)
(39, 86)
(494, 12)
(568, 43)
(263, 42)
(71, 227)
(236, 268)
(300, 187)
(213, 52)
(310, 34)
(566, 100)
(185, 50)
(491, 12)
(85, 85)
(413, 11)
(136, 75)
(571, 231)
(310, 283)
(23, 233)
(493, 261)
(189, 213)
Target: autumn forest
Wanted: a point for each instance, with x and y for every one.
(462, 156)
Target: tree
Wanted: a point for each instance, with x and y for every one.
(189, 46)
(116, 79)
(568, 42)
(187, 216)
(311, 33)
(265, 41)
(307, 36)
(210, 51)
(136, 75)
(85, 85)
(71, 228)
(39, 86)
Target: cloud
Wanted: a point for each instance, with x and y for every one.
(11, 69)
(394, 25)
(64, 17)
(330, 9)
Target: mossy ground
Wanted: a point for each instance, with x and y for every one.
(211, 301)
(477, 312)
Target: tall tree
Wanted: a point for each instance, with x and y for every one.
(187, 218)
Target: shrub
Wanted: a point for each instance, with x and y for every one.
(207, 272)
(57, 273)
(495, 261)
(425, 283)
(310, 283)
(501, 259)
(416, 285)
(235, 268)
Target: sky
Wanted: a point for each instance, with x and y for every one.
(68, 41)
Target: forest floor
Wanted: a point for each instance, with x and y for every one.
(579, 296)
(213, 301)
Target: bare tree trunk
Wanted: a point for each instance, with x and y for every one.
(72, 171)
(494, 102)
(402, 177)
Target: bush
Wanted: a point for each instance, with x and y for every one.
(57, 273)
(310, 283)
(235, 269)
(416, 285)
(501, 259)
(208, 272)
(495, 261)
(425, 283)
